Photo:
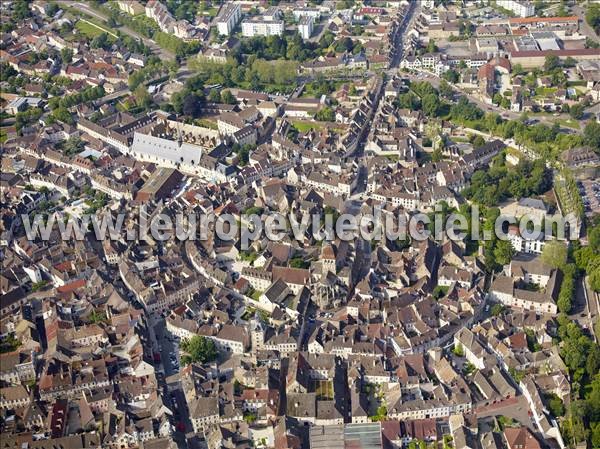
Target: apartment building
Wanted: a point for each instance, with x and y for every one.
(228, 18)
(305, 26)
(262, 27)
(521, 8)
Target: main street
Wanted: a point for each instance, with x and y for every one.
(407, 21)
(362, 262)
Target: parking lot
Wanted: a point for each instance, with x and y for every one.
(590, 195)
(168, 347)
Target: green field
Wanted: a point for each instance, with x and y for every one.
(305, 126)
(569, 123)
(544, 91)
(90, 30)
(206, 123)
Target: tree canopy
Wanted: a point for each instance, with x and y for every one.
(198, 349)
(491, 186)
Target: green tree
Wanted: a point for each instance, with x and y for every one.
(497, 309)
(577, 111)
(439, 291)
(101, 41)
(430, 105)
(62, 114)
(567, 289)
(555, 405)
(594, 238)
(198, 349)
(214, 95)
(21, 10)
(591, 135)
(326, 114)
(504, 252)
(142, 97)
(445, 89)
(344, 45)
(431, 47)
(478, 142)
(551, 62)
(554, 254)
(517, 70)
(592, 364)
(228, 98)
(408, 100)
(592, 17)
(451, 76)
(594, 276)
(192, 104)
(66, 55)
(299, 262)
(73, 146)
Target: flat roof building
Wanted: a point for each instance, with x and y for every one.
(262, 27)
(228, 18)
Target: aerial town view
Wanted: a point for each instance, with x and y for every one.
(300, 224)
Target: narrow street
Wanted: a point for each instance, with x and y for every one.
(402, 28)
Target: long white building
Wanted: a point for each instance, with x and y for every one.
(522, 8)
(261, 27)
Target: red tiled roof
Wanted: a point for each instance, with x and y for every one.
(522, 20)
(71, 286)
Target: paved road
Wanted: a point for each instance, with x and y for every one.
(113, 96)
(593, 306)
(166, 347)
(584, 28)
(584, 306)
(402, 28)
(164, 54)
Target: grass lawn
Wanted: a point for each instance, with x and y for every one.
(91, 30)
(310, 89)
(324, 389)
(248, 313)
(569, 123)
(544, 91)
(206, 123)
(513, 151)
(306, 126)
(460, 139)
(210, 12)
